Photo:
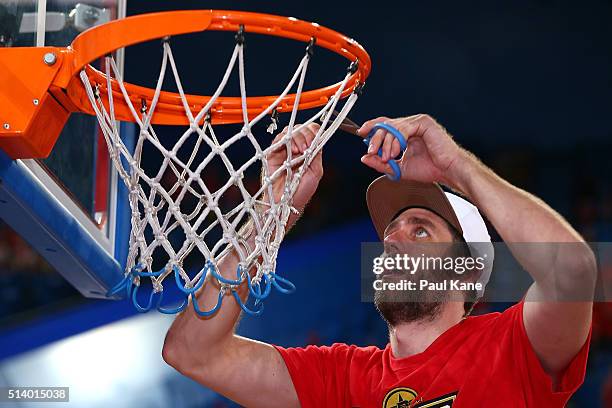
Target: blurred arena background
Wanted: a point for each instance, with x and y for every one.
(526, 86)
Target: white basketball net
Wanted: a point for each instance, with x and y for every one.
(156, 208)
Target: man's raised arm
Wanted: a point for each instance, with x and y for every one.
(207, 350)
(557, 310)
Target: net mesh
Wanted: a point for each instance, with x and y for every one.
(165, 231)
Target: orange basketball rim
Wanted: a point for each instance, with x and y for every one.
(40, 86)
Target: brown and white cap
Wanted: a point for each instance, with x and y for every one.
(387, 198)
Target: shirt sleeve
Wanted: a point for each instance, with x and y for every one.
(320, 375)
(537, 384)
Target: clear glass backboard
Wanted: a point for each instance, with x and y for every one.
(66, 205)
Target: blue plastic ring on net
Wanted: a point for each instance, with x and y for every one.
(397, 172)
(220, 278)
(255, 288)
(245, 308)
(206, 313)
(289, 286)
(127, 281)
(139, 308)
(169, 310)
(198, 284)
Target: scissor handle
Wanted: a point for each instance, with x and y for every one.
(397, 172)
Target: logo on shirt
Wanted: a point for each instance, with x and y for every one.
(399, 398)
(407, 398)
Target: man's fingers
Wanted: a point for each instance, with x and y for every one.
(382, 139)
(279, 150)
(302, 139)
(419, 125)
(396, 149)
(367, 126)
(298, 141)
(376, 141)
(375, 162)
(409, 126)
(388, 147)
(280, 134)
(316, 165)
(313, 129)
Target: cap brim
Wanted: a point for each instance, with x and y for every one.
(385, 198)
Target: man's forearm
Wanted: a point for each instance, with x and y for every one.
(207, 335)
(517, 215)
(189, 331)
(520, 217)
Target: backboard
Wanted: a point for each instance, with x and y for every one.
(69, 206)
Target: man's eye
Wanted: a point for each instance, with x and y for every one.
(421, 233)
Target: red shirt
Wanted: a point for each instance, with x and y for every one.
(483, 361)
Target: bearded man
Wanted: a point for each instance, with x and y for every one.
(531, 355)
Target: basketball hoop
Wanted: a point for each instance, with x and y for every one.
(68, 83)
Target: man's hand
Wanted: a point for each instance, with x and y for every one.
(312, 175)
(431, 156)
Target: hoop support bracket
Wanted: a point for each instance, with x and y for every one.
(31, 119)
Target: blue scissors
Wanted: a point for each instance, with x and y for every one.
(352, 127)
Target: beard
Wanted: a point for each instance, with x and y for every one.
(401, 306)
(395, 313)
(405, 306)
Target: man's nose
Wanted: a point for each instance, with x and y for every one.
(393, 237)
(389, 239)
